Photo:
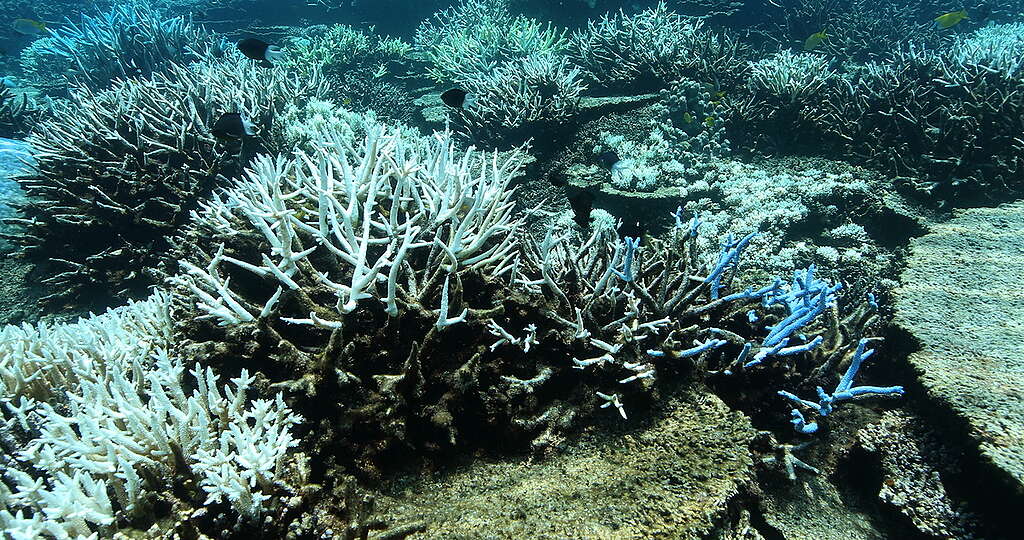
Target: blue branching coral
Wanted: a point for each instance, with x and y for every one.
(844, 391)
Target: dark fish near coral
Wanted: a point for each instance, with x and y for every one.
(28, 27)
(581, 203)
(608, 158)
(260, 50)
(458, 98)
(233, 126)
(632, 228)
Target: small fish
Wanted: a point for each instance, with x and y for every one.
(581, 203)
(233, 126)
(608, 158)
(633, 228)
(28, 27)
(815, 40)
(458, 98)
(950, 19)
(709, 121)
(260, 50)
(346, 101)
(687, 118)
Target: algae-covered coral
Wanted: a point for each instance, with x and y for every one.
(506, 268)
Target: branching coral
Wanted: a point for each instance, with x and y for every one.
(17, 114)
(861, 30)
(118, 170)
(475, 36)
(787, 78)
(948, 122)
(344, 46)
(128, 41)
(517, 98)
(387, 270)
(361, 69)
(392, 215)
(303, 126)
(998, 48)
(781, 90)
(110, 424)
(654, 48)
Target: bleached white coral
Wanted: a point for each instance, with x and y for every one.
(539, 88)
(473, 37)
(389, 219)
(643, 164)
(113, 417)
(997, 47)
(655, 45)
(774, 200)
(790, 77)
(37, 360)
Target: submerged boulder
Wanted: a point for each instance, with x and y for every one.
(673, 475)
(962, 299)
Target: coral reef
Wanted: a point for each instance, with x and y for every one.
(127, 41)
(475, 36)
(946, 122)
(320, 259)
(17, 114)
(117, 171)
(616, 281)
(614, 483)
(687, 136)
(654, 48)
(515, 68)
(863, 30)
(99, 408)
(797, 204)
(520, 97)
(913, 461)
(361, 70)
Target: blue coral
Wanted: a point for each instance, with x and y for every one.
(844, 391)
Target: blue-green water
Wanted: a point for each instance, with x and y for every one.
(511, 269)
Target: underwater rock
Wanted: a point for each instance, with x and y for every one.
(913, 463)
(674, 478)
(961, 299)
(815, 508)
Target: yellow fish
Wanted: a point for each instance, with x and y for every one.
(687, 118)
(815, 40)
(709, 122)
(950, 19)
(28, 27)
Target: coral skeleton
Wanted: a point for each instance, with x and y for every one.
(109, 413)
(396, 224)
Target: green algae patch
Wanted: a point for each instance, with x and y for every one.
(671, 476)
(961, 299)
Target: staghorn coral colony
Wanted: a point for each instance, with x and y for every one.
(508, 268)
